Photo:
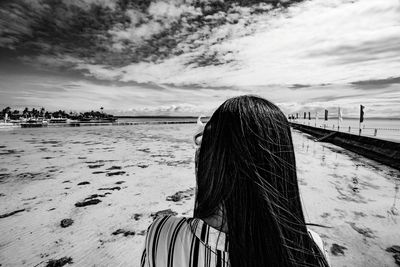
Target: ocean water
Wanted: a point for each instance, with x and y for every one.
(354, 198)
(386, 129)
(158, 119)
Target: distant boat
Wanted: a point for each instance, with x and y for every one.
(102, 120)
(58, 120)
(34, 123)
(7, 125)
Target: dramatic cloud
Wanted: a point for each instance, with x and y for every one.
(117, 32)
(186, 56)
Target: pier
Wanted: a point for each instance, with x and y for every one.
(383, 151)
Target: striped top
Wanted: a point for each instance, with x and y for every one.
(178, 241)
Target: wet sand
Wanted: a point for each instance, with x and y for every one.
(355, 196)
(89, 194)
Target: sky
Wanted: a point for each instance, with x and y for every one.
(185, 57)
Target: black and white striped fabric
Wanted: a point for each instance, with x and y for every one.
(180, 242)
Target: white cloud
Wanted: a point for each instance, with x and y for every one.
(313, 42)
(159, 17)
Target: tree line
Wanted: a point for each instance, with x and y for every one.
(42, 113)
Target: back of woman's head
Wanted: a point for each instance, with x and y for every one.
(247, 171)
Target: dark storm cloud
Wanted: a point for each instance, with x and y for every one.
(53, 27)
(379, 83)
(119, 32)
(299, 86)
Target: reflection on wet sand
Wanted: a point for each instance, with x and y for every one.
(358, 197)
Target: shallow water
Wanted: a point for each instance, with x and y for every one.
(40, 170)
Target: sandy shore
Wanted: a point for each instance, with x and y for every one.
(110, 180)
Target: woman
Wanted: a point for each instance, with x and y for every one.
(248, 209)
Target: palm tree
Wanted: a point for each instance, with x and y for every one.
(25, 113)
(6, 110)
(34, 112)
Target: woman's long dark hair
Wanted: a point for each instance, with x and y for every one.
(247, 170)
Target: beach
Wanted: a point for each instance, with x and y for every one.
(108, 182)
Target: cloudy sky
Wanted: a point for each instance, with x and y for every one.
(184, 57)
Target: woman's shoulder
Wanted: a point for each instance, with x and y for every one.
(167, 222)
(163, 227)
(161, 234)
